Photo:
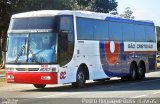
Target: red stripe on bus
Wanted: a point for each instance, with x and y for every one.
(32, 77)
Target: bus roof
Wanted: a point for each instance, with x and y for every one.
(78, 13)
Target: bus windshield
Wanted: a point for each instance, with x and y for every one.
(33, 23)
(32, 48)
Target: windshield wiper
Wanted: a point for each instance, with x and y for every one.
(20, 53)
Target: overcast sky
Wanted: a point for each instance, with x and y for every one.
(142, 9)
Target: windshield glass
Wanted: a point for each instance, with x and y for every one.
(32, 48)
(33, 23)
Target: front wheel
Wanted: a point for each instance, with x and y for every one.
(40, 86)
(80, 79)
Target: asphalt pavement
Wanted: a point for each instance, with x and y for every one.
(57, 94)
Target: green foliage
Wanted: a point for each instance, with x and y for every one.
(104, 6)
(5, 13)
(127, 13)
(158, 37)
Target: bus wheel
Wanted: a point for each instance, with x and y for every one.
(140, 72)
(132, 73)
(40, 86)
(80, 80)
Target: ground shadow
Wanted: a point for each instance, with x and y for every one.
(149, 83)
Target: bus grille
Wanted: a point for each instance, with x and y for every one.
(27, 69)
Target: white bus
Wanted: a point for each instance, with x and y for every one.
(57, 47)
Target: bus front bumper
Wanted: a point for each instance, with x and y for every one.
(32, 77)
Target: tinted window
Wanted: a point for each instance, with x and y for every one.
(150, 33)
(128, 32)
(33, 23)
(100, 30)
(84, 28)
(115, 31)
(139, 33)
(65, 40)
(66, 23)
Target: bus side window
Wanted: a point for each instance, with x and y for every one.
(128, 32)
(115, 31)
(100, 30)
(84, 28)
(150, 33)
(139, 33)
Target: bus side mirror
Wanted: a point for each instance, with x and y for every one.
(4, 44)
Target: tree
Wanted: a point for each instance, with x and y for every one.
(5, 14)
(127, 13)
(104, 6)
(158, 37)
(84, 4)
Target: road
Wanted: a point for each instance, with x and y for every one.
(115, 88)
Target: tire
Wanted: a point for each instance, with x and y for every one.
(80, 79)
(140, 72)
(132, 73)
(40, 86)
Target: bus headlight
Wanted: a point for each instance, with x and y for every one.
(45, 78)
(10, 77)
(9, 69)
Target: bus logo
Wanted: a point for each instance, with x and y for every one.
(112, 50)
(63, 75)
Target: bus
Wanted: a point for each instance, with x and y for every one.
(63, 46)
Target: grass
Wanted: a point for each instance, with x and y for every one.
(2, 82)
(2, 71)
(158, 65)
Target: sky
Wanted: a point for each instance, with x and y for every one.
(142, 9)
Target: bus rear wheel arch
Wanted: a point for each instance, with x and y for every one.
(81, 76)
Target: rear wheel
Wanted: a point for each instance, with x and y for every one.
(40, 86)
(141, 72)
(80, 79)
(132, 74)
